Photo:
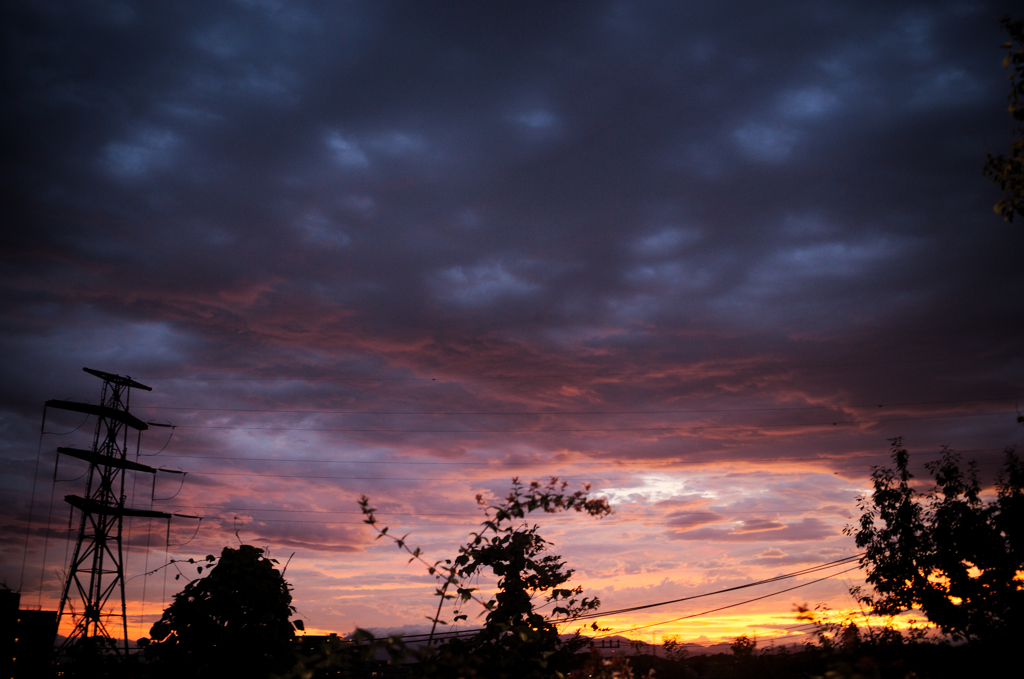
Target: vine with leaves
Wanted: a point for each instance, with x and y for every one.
(511, 550)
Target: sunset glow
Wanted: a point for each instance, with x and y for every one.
(706, 260)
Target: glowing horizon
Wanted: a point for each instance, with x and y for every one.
(710, 266)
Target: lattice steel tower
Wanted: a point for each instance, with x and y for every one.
(95, 578)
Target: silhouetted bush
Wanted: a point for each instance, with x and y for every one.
(946, 551)
(233, 622)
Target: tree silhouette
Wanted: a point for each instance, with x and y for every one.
(233, 622)
(516, 640)
(947, 552)
(1008, 171)
(743, 646)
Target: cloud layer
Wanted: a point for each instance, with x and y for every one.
(708, 259)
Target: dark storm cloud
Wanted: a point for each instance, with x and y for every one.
(777, 557)
(758, 530)
(622, 242)
(245, 169)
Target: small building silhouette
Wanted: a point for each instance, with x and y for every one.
(26, 638)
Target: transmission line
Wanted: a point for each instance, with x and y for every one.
(795, 425)
(580, 412)
(581, 374)
(500, 463)
(741, 603)
(777, 578)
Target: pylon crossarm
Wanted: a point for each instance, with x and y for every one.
(106, 460)
(122, 416)
(95, 508)
(117, 379)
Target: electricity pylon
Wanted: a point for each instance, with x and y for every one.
(96, 573)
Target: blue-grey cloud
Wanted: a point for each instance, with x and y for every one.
(413, 251)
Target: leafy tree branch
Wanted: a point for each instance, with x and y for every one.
(947, 552)
(516, 639)
(1007, 171)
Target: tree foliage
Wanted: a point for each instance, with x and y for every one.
(1007, 172)
(948, 552)
(674, 648)
(743, 646)
(838, 630)
(235, 621)
(516, 640)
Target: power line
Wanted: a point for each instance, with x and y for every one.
(407, 478)
(605, 430)
(354, 511)
(578, 412)
(353, 478)
(784, 576)
(615, 463)
(349, 477)
(777, 578)
(741, 603)
(540, 375)
(439, 524)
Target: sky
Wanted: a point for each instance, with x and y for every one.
(707, 257)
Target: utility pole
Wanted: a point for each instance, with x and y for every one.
(95, 578)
